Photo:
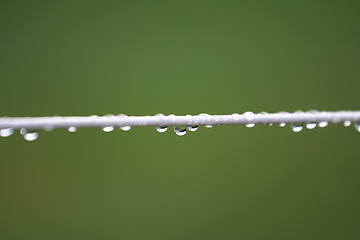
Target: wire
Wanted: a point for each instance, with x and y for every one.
(126, 122)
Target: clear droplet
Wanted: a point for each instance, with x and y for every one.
(236, 116)
(6, 132)
(108, 129)
(125, 128)
(180, 130)
(311, 125)
(357, 126)
(161, 129)
(23, 131)
(29, 135)
(72, 129)
(205, 115)
(347, 123)
(296, 127)
(323, 124)
(282, 124)
(192, 128)
(249, 116)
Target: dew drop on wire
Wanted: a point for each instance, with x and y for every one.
(323, 124)
(249, 116)
(108, 129)
(6, 132)
(208, 126)
(161, 129)
(311, 125)
(125, 128)
(180, 130)
(192, 128)
(347, 123)
(29, 135)
(282, 124)
(357, 126)
(72, 129)
(296, 127)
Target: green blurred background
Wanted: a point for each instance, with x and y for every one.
(146, 57)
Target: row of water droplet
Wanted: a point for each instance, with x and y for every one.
(31, 135)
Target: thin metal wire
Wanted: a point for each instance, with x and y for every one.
(172, 120)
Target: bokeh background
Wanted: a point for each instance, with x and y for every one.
(187, 57)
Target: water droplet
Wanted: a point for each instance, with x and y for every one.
(311, 125)
(108, 129)
(6, 132)
(296, 127)
(180, 130)
(125, 128)
(323, 124)
(347, 123)
(72, 129)
(161, 129)
(29, 135)
(193, 128)
(282, 124)
(357, 126)
(205, 115)
(236, 116)
(249, 116)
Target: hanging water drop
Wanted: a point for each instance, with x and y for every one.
(125, 128)
(6, 132)
(311, 125)
(296, 127)
(192, 128)
(323, 124)
(249, 116)
(108, 129)
(180, 130)
(208, 126)
(347, 123)
(72, 129)
(357, 126)
(161, 129)
(282, 124)
(29, 135)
